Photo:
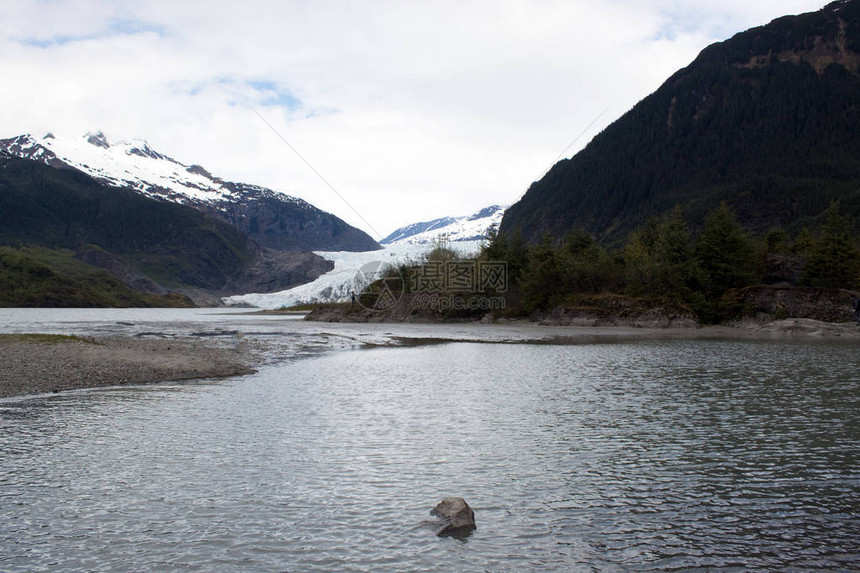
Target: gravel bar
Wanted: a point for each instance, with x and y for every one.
(36, 364)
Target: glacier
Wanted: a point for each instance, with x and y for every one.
(346, 276)
(411, 243)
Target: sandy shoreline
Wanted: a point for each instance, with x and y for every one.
(35, 366)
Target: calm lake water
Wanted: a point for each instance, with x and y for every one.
(627, 456)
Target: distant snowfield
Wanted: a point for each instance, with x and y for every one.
(451, 229)
(336, 285)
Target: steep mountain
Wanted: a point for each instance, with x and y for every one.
(272, 219)
(767, 121)
(152, 246)
(468, 228)
(38, 277)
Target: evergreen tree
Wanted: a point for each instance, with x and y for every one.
(494, 246)
(725, 253)
(543, 276)
(834, 261)
(640, 262)
(676, 268)
(577, 242)
(804, 243)
(776, 241)
(659, 259)
(587, 266)
(442, 252)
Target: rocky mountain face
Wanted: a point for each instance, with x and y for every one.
(272, 219)
(766, 121)
(454, 229)
(152, 246)
(289, 225)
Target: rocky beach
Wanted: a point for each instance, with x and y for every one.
(38, 364)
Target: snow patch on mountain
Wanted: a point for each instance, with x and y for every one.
(452, 229)
(135, 165)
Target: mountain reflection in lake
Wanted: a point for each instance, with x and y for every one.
(654, 455)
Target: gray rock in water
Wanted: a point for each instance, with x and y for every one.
(458, 519)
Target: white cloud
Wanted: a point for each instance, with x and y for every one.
(411, 110)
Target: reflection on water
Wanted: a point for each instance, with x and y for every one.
(632, 456)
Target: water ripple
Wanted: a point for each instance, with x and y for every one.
(649, 456)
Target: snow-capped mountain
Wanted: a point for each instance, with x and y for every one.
(131, 164)
(453, 229)
(271, 218)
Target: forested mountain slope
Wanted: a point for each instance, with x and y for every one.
(768, 121)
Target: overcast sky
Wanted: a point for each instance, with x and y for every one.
(409, 110)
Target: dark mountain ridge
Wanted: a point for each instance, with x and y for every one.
(766, 121)
(152, 246)
(270, 218)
